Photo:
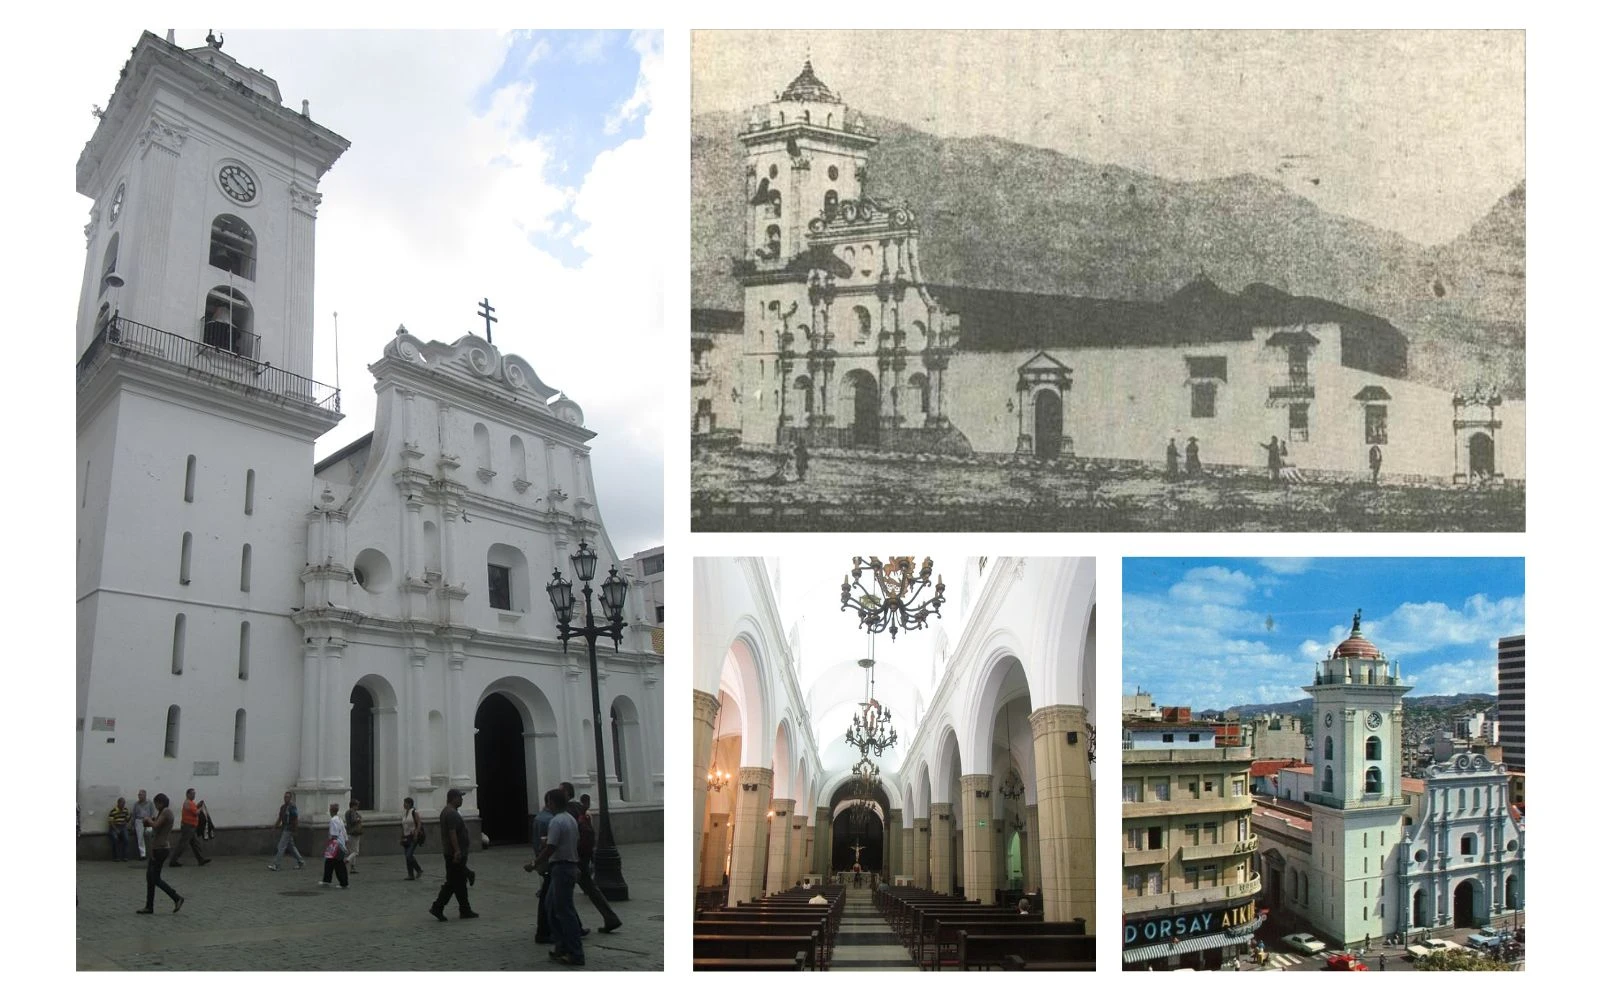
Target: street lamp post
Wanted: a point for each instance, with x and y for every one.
(613, 594)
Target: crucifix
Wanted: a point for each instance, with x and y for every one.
(487, 312)
(858, 848)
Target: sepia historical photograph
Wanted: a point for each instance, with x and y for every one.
(1108, 280)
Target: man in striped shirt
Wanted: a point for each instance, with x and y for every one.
(117, 820)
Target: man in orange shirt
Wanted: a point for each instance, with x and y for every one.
(188, 837)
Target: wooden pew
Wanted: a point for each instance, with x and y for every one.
(1062, 952)
(925, 927)
(798, 963)
(764, 946)
(772, 923)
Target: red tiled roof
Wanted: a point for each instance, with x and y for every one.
(1262, 768)
(1301, 768)
(1412, 785)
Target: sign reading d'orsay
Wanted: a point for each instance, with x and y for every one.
(1166, 927)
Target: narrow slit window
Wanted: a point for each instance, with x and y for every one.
(183, 558)
(180, 630)
(87, 466)
(244, 568)
(171, 749)
(188, 480)
(244, 651)
(250, 491)
(238, 735)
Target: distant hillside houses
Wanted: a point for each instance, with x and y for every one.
(843, 342)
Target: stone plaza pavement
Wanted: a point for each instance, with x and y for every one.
(239, 915)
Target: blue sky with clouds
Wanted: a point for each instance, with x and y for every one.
(583, 98)
(1210, 633)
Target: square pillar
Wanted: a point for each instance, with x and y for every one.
(778, 846)
(1066, 812)
(919, 853)
(705, 712)
(749, 833)
(714, 850)
(977, 856)
(939, 836)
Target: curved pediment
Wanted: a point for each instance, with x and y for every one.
(473, 358)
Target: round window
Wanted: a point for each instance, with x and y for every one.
(1420, 856)
(772, 172)
(372, 572)
(833, 173)
(1511, 845)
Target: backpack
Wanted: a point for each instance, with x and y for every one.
(422, 830)
(585, 837)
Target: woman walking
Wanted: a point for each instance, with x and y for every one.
(334, 854)
(160, 847)
(411, 836)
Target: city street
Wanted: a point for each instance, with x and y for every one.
(239, 915)
(1287, 961)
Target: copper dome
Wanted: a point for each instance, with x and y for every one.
(1357, 647)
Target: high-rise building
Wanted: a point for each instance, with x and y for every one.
(1513, 703)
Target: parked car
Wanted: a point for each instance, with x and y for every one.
(1423, 949)
(1305, 944)
(1488, 940)
(1343, 961)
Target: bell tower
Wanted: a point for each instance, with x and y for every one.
(804, 156)
(196, 418)
(1358, 803)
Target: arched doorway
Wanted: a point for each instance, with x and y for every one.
(852, 831)
(627, 748)
(363, 747)
(1480, 456)
(1512, 901)
(1014, 861)
(1466, 904)
(864, 421)
(1419, 916)
(1046, 424)
(501, 762)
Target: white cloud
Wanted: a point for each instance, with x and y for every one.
(1286, 566)
(1456, 677)
(1415, 628)
(1213, 585)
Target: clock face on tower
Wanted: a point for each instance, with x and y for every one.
(1374, 720)
(1327, 720)
(237, 183)
(116, 203)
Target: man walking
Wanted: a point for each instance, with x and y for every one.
(586, 844)
(189, 835)
(560, 858)
(160, 847)
(143, 809)
(352, 824)
(453, 835)
(288, 824)
(117, 826)
(333, 855)
(541, 833)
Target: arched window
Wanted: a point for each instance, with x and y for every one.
(1374, 783)
(919, 387)
(1327, 779)
(1374, 748)
(863, 324)
(508, 578)
(238, 735)
(430, 547)
(774, 241)
(830, 204)
(776, 199)
(1475, 799)
(188, 480)
(108, 264)
(1469, 843)
(249, 491)
(1327, 748)
(244, 651)
(803, 385)
(519, 459)
(184, 557)
(244, 568)
(480, 444)
(229, 322)
(180, 631)
(233, 246)
(171, 749)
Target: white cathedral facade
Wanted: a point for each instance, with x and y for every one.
(248, 621)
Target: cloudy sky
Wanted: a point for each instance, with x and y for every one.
(518, 166)
(1419, 132)
(1211, 633)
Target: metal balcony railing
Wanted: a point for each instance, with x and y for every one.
(1188, 897)
(123, 339)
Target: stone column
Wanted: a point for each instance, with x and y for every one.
(907, 853)
(808, 862)
(919, 853)
(778, 845)
(797, 849)
(939, 834)
(749, 829)
(416, 682)
(977, 856)
(310, 715)
(705, 714)
(459, 721)
(822, 847)
(891, 846)
(294, 350)
(1066, 812)
(713, 849)
(1030, 851)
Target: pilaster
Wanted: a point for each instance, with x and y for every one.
(778, 846)
(713, 849)
(940, 834)
(797, 849)
(892, 863)
(705, 714)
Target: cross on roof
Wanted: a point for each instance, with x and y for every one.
(487, 312)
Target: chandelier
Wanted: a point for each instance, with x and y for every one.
(863, 788)
(871, 729)
(1013, 787)
(894, 599)
(716, 778)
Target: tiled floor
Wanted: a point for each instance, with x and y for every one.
(865, 942)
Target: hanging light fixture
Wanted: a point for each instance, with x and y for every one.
(892, 596)
(1013, 787)
(871, 729)
(716, 778)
